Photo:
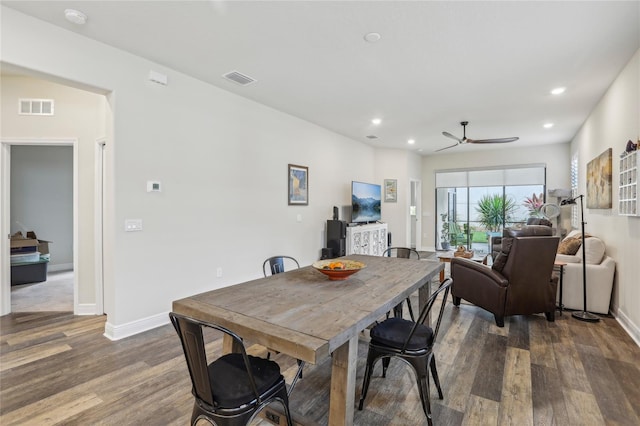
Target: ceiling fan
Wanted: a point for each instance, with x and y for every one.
(467, 140)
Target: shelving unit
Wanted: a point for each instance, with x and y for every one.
(628, 189)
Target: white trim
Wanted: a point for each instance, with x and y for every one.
(628, 325)
(99, 225)
(117, 332)
(85, 309)
(5, 201)
(60, 267)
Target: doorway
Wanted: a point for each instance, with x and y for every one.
(5, 226)
(415, 225)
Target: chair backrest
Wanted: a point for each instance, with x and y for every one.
(190, 332)
(443, 290)
(402, 252)
(277, 264)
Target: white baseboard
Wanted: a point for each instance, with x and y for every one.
(86, 309)
(628, 325)
(117, 332)
(60, 267)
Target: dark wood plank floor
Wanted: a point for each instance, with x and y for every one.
(56, 368)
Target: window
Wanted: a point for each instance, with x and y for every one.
(574, 190)
(473, 205)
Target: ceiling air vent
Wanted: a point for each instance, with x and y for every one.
(371, 137)
(35, 106)
(239, 78)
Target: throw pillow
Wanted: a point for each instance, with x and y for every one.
(501, 258)
(570, 245)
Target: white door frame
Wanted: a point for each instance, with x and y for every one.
(418, 231)
(99, 224)
(5, 227)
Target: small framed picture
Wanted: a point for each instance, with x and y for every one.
(390, 190)
(298, 182)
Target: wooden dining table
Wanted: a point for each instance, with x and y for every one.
(305, 315)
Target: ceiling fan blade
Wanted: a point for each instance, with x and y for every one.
(447, 147)
(449, 135)
(498, 140)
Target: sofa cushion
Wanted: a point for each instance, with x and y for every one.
(570, 245)
(594, 250)
(501, 258)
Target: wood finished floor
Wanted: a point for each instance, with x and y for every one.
(56, 368)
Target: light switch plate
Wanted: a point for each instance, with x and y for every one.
(132, 225)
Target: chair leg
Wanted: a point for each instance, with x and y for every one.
(410, 309)
(499, 320)
(367, 377)
(456, 300)
(551, 316)
(283, 397)
(434, 373)
(385, 365)
(423, 387)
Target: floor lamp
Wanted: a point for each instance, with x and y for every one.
(584, 315)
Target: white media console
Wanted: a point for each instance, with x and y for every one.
(368, 239)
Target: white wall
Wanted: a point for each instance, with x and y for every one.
(42, 198)
(222, 161)
(555, 157)
(402, 166)
(614, 121)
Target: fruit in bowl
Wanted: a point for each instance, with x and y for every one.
(338, 270)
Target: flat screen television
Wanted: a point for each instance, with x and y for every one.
(365, 202)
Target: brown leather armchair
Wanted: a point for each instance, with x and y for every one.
(521, 280)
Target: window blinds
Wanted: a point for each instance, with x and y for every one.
(513, 175)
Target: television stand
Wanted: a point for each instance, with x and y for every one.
(370, 238)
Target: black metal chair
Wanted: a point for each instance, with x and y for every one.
(277, 264)
(404, 253)
(412, 342)
(232, 389)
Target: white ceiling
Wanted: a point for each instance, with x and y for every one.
(492, 63)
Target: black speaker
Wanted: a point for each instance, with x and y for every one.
(336, 237)
(327, 253)
(337, 247)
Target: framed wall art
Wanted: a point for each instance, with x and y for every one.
(390, 190)
(599, 181)
(298, 182)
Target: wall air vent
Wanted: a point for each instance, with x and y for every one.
(371, 137)
(239, 78)
(35, 106)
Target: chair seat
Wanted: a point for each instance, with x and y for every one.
(231, 388)
(393, 332)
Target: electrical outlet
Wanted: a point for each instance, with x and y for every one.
(272, 417)
(219, 272)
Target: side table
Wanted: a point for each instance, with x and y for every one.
(557, 265)
(446, 258)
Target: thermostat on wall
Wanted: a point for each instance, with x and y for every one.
(153, 186)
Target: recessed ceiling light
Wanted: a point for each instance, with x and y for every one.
(376, 121)
(547, 125)
(558, 90)
(411, 141)
(372, 37)
(75, 16)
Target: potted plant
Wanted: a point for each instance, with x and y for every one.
(495, 211)
(444, 232)
(534, 205)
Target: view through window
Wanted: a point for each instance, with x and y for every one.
(474, 205)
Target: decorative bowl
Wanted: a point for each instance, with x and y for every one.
(338, 270)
